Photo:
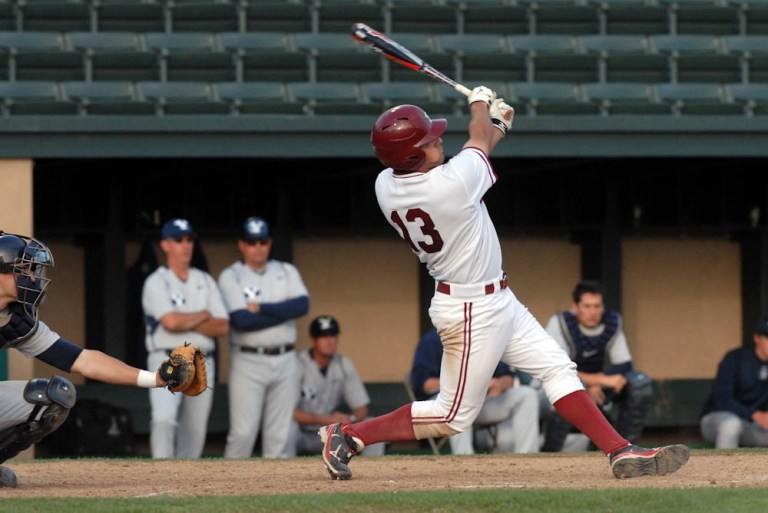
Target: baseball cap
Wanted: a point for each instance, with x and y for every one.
(762, 326)
(255, 228)
(323, 326)
(176, 228)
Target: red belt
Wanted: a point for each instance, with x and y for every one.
(489, 288)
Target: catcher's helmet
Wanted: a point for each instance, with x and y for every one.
(27, 259)
(398, 134)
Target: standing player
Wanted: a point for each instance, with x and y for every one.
(264, 297)
(438, 210)
(182, 304)
(30, 411)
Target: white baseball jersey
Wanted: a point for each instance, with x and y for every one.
(278, 281)
(423, 208)
(441, 215)
(164, 292)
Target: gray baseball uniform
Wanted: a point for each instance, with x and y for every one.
(263, 364)
(177, 416)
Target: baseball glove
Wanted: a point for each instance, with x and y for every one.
(184, 371)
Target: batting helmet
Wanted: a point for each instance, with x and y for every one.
(27, 259)
(399, 133)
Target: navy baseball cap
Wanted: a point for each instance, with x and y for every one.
(255, 229)
(762, 326)
(323, 326)
(177, 228)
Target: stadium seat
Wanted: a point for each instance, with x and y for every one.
(544, 98)
(264, 56)
(632, 17)
(708, 17)
(40, 56)
(170, 98)
(330, 98)
(626, 58)
(339, 15)
(257, 98)
(697, 99)
(54, 15)
(204, 16)
(277, 16)
(38, 97)
(753, 16)
(555, 58)
(7, 16)
(389, 94)
(490, 17)
(479, 57)
(697, 58)
(753, 97)
(419, 16)
(753, 53)
(615, 98)
(130, 16)
(190, 56)
(115, 56)
(563, 17)
(107, 98)
(337, 57)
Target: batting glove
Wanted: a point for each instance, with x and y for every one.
(481, 94)
(502, 115)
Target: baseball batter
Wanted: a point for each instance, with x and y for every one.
(438, 209)
(264, 297)
(30, 411)
(182, 304)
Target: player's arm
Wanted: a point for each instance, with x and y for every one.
(213, 327)
(312, 419)
(184, 321)
(360, 412)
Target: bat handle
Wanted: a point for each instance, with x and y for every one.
(463, 89)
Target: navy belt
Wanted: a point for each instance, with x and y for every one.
(270, 351)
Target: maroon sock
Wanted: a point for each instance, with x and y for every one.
(580, 410)
(395, 426)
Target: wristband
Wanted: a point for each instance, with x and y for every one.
(146, 379)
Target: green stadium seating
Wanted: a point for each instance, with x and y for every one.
(547, 98)
(490, 17)
(257, 98)
(340, 15)
(563, 17)
(7, 16)
(480, 57)
(709, 17)
(264, 56)
(615, 98)
(697, 58)
(185, 98)
(753, 16)
(625, 58)
(54, 15)
(40, 56)
(555, 58)
(277, 16)
(632, 17)
(330, 98)
(190, 56)
(38, 97)
(130, 16)
(697, 99)
(418, 16)
(753, 97)
(204, 16)
(115, 56)
(337, 57)
(753, 53)
(107, 98)
(389, 94)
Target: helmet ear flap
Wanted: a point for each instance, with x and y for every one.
(399, 133)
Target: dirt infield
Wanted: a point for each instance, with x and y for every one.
(144, 478)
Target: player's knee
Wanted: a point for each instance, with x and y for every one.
(731, 426)
(52, 400)
(440, 430)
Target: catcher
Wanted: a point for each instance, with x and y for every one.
(30, 411)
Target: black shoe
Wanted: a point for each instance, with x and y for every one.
(636, 461)
(8, 478)
(338, 449)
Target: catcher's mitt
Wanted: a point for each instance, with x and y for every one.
(185, 370)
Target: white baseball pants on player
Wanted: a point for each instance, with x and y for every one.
(476, 333)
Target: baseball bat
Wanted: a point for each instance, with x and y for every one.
(398, 53)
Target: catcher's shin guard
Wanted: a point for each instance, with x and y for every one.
(54, 398)
(634, 406)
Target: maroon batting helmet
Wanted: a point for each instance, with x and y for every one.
(398, 134)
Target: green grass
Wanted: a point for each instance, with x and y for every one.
(698, 500)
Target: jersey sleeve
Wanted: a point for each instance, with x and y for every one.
(475, 170)
(154, 297)
(41, 340)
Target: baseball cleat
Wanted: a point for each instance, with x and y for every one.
(636, 461)
(338, 449)
(8, 478)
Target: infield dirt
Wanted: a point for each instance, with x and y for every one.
(146, 478)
